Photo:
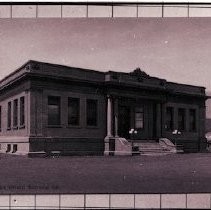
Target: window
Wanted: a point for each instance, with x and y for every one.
(73, 111)
(9, 115)
(169, 118)
(91, 112)
(181, 119)
(15, 113)
(139, 117)
(192, 120)
(53, 110)
(15, 148)
(8, 148)
(22, 111)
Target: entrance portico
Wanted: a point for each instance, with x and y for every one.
(142, 115)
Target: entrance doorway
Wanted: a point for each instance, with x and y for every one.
(124, 121)
(154, 122)
(157, 121)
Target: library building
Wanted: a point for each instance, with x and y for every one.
(49, 108)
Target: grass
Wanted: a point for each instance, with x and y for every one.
(177, 173)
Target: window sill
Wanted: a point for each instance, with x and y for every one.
(92, 127)
(73, 126)
(54, 126)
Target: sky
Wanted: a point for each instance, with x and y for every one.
(175, 49)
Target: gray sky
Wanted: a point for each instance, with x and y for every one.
(176, 49)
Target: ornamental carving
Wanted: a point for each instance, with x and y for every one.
(139, 73)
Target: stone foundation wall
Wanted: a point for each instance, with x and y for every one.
(14, 145)
(68, 146)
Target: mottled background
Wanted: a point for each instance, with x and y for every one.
(176, 49)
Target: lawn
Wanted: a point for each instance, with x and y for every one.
(177, 173)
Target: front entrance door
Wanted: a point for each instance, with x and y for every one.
(154, 122)
(124, 121)
(157, 121)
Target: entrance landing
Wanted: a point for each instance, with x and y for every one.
(143, 147)
(152, 148)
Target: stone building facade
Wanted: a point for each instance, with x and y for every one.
(47, 107)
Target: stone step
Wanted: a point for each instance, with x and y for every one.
(143, 141)
(148, 145)
(37, 154)
(155, 154)
(136, 153)
(180, 151)
(151, 148)
(155, 151)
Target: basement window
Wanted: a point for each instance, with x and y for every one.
(8, 148)
(15, 148)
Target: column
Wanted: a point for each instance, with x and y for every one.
(163, 118)
(109, 117)
(201, 127)
(109, 126)
(116, 117)
(159, 122)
